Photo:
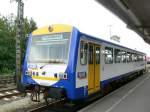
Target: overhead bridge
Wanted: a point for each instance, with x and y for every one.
(135, 13)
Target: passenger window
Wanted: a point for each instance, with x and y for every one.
(144, 58)
(117, 56)
(108, 55)
(140, 58)
(133, 59)
(123, 55)
(128, 57)
(90, 54)
(83, 53)
(97, 50)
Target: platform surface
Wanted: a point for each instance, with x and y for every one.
(132, 97)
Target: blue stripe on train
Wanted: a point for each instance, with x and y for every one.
(83, 92)
(26, 79)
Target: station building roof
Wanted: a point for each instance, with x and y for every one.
(135, 13)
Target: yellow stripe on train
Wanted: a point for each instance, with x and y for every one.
(45, 78)
(57, 28)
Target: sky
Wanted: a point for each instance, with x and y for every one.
(87, 15)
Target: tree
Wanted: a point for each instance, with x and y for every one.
(7, 48)
(7, 41)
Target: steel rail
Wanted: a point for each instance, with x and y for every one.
(6, 95)
(9, 89)
(44, 107)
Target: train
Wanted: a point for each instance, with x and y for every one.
(62, 61)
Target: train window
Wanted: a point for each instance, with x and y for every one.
(144, 58)
(97, 50)
(108, 55)
(128, 57)
(123, 56)
(140, 58)
(83, 53)
(117, 56)
(133, 59)
(43, 48)
(90, 54)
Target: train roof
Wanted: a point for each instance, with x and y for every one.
(56, 28)
(68, 28)
(108, 42)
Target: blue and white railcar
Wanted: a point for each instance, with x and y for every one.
(60, 57)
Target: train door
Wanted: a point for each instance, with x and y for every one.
(97, 68)
(93, 68)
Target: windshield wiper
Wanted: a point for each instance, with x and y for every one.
(43, 66)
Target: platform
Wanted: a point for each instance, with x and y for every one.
(132, 97)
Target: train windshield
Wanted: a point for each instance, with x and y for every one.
(52, 48)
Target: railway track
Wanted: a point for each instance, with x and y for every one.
(8, 94)
(73, 108)
(7, 79)
(45, 107)
(55, 106)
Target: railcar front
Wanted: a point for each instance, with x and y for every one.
(49, 64)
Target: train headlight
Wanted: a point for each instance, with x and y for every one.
(55, 75)
(29, 73)
(63, 75)
(33, 73)
(43, 73)
(37, 73)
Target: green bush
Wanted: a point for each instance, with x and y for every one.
(7, 42)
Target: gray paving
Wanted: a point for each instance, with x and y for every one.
(132, 97)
